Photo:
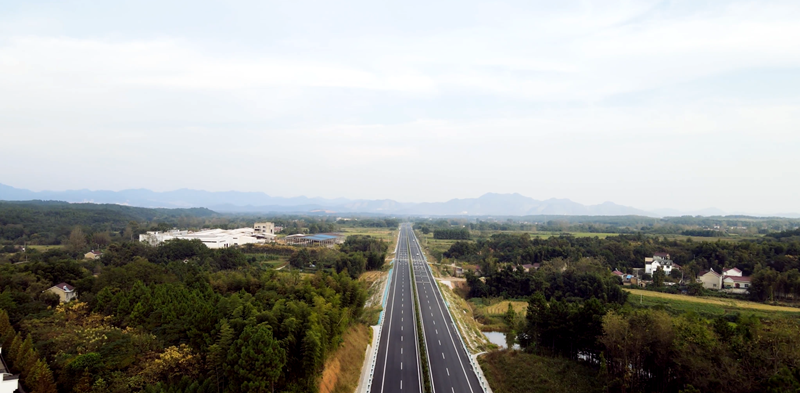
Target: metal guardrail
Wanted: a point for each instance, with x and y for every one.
(473, 362)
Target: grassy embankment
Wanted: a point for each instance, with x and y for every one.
(709, 307)
(343, 368)
(519, 372)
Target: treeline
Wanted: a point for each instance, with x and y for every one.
(452, 233)
(584, 279)
(624, 252)
(178, 318)
(356, 255)
(728, 225)
(46, 222)
(370, 222)
(307, 225)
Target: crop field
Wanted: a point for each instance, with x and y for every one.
(388, 235)
(500, 308)
(44, 248)
(706, 306)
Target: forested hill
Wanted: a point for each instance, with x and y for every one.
(45, 222)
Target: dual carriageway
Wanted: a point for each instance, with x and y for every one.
(398, 365)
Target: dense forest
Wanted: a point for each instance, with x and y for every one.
(177, 318)
(454, 233)
(579, 312)
(51, 222)
(773, 262)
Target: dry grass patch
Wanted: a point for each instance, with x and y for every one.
(713, 301)
(343, 368)
(500, 308)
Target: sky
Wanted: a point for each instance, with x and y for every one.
(652, 104)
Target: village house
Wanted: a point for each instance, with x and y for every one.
(92, 255)
(662, 260)
(710, 279)
(64, 291)
(730, 280)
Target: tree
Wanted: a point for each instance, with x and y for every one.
(300, 259)
(6, 330)
(217, 353)
(77, 240)
(658, 277)
(101, 239)
(255, 360)
(40, 378)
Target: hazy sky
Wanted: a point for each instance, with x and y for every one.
(682, 104)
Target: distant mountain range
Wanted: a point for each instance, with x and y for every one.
(258, 202)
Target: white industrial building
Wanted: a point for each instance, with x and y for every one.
(212, 238)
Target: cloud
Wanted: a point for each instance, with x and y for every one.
(594, 101)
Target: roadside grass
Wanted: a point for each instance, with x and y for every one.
(705, 306)
(343, 369)
(520, 372)
(375, 282)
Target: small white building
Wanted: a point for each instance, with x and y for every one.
(659, 260)
(264, 228)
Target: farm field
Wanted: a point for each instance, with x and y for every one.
(490, 312)
(520, 372)
(44, 248)
(386, 234)
(707, 306)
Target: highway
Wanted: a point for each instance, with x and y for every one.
(397, 365)
(450, 367)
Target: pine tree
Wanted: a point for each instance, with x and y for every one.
(6, 330)
(13, 351)
(257, 359)
(40, 378)
(26, 357)
(218, 352)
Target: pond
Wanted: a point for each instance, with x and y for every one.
(499, 339)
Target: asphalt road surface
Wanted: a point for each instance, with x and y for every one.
(397, 368)
(450, 368)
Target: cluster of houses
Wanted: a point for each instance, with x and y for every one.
(729, 280)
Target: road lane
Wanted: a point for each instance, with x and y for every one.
(450, 367)
(397, 368)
